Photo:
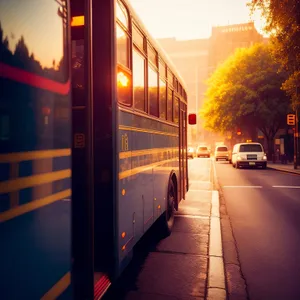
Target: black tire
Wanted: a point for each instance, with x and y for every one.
(264, 166)
(167, 218)
(229, 160)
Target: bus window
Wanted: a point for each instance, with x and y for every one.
(170, 105)
(124, 79)
(138, 38)
(176, 110)
(162, 100)
(122, 14)
(27, 119)
(124, 86)
(122, 47)
(138, 80)
(153, 91)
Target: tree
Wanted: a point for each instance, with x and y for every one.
(4, 44)
(21, 50)
(283, 22)
(245, 92)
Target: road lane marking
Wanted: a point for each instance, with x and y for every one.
(243, 186)
(286, 186)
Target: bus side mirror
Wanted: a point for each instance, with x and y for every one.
(192, 119)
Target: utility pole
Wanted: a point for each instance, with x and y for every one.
(196, 78)
(296, 133)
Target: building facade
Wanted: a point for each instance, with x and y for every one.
(197, 59)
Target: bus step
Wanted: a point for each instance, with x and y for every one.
(101, 285)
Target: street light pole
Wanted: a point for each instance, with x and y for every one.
(296, 133)
(196, 78)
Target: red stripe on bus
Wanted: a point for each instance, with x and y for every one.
(101, 286)
(25, 77)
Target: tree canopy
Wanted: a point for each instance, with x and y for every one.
(283, 22)
(245, 92)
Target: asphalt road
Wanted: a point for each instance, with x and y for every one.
(264, 209)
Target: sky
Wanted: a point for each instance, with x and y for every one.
(38, 22)
(192, 19)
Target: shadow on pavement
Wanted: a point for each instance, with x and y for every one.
(127, 281)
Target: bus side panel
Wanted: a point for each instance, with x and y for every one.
(129, 212)
(35, 162)
(145, 168)
(170, 164)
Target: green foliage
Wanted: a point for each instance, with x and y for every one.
(283, 21)
(245, 92)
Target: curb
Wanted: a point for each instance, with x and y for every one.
(283, 170)
(216, 285)
(235, 284)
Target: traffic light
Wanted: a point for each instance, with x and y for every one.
(291, 120)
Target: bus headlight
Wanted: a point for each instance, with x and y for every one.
(239, 158)
(264, 157)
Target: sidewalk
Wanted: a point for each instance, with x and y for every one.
(187, 265)
(289, 168)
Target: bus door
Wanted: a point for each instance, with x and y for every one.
(93, 70)
(185, 161)
(182, 153)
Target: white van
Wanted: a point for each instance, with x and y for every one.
(249, 155)
(221, 152)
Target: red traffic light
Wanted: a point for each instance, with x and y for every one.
(192, 119)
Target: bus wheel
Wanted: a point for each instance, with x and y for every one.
(169, 215)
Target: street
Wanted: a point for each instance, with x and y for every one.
(264, 209)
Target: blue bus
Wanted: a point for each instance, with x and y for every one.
(93, 145)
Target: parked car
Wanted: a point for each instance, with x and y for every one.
(249, 155)
(191, 152)
(203, 151)
(222, 152)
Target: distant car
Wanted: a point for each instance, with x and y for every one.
(221, 152)
(203, 151)
(191, 152)
(249, 155)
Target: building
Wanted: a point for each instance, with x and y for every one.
(197, 59)
(226, 39)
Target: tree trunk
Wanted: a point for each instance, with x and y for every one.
(253, 134)
(270, 150)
